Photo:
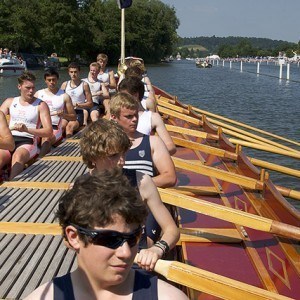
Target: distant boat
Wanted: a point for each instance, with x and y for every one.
(33, 61)
(203, 64)
(52, 63)
(11, 66)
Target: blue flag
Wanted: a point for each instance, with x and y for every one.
(124, 3)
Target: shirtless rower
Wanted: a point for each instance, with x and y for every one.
(27, 114)
(100, 95)
(81, 96)
(148, 121)
(60, 105)
(103, 145)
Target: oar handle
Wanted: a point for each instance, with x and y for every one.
(285, 230)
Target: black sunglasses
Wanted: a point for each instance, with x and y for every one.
(110, 238)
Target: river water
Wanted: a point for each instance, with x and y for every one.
(262, 101)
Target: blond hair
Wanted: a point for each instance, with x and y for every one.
(103, 57)
(124, 100)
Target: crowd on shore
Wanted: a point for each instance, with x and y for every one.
(127, 162)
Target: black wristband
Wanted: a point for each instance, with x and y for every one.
(163, 245)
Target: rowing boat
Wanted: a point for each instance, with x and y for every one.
(215, 179)
(239, 236)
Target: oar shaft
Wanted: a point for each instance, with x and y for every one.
(245, 125)
(230, 214)
(211, 283)
(266, 148)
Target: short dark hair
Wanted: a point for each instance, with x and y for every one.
(74, 65)
(102, 138)
(51, 72)
(132, 85)
(95, 200)
(26, 76)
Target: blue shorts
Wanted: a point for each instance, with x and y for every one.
(97, 107)
(79, 116)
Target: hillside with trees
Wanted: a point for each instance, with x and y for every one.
(234, 46)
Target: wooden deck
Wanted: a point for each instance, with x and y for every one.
(28, 260)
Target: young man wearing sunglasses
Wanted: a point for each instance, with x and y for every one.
(103, 146)
(101, 218)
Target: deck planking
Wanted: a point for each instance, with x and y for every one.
(27, 261)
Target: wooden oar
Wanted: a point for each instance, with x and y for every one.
(30, 228)
(195, 190)
(211, 283)
(266, 148)
(244, 181)
(245, 125)
(219, 174)
(192, 235)
(233, 130)
(207, 113)
(227, 154)
(209, 235)
(230, 214)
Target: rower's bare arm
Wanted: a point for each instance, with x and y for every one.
(6, 139)
(163, 163)
(150, 194)
(46, 129)
(63, 86)
(104, 91)
(151, 103)
(147, 258)
(5, 106)
(44, 292)
(159, 126)
(88, 96)
(112, 80)
(69, 112)
(167, 291)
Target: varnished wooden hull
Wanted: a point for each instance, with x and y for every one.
(260, 258)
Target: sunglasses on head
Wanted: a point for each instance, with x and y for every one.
(110, 238)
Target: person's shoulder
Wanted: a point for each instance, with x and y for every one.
(167, 291)
(44, 292)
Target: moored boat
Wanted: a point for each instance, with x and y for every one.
(11, 67)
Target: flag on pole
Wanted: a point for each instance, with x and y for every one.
(124, 3)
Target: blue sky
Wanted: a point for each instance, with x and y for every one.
(274, 19)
